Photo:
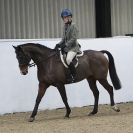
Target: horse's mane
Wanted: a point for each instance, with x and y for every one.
(35, 45)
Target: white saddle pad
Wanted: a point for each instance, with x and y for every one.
(64, 62)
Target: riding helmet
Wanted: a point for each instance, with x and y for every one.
(65, 13)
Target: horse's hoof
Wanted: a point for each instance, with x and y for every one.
(92, 113)
(68, 113)
(66, 117)
(116, 108)
(31, 119)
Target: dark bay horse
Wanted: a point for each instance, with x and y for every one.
(93, 66)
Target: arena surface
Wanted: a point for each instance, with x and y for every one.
(52, 121)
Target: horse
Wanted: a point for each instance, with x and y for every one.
(93, 66)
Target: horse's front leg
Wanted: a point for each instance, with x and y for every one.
(41, 92)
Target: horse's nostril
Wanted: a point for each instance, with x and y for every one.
(24, 72)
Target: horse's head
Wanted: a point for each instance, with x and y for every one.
(23, 58)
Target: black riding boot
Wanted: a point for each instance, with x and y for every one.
(72, 71)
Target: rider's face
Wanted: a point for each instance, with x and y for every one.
(67, 19)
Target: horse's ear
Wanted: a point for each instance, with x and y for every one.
(14, 47)
(17, 47)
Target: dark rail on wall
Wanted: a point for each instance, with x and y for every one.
(103, 18)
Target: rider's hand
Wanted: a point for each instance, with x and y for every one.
(62, 46)
(57, 46)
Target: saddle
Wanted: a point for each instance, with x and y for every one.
(74, 61)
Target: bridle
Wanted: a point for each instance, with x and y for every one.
(31, 64)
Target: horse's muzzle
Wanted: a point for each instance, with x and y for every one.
(23, 69)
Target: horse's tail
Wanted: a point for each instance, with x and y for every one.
(112, 70)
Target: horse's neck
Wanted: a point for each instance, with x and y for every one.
(39, 54)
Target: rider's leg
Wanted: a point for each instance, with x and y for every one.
(69, 58)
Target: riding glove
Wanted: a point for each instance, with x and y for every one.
(62, 46)
(57, 46)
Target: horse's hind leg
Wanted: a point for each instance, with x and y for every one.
(41, 92)
(93, 87)
(109, 89)
(62, 91)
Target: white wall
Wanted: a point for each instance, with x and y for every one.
(18, 92)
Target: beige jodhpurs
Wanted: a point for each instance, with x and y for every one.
(70, 56)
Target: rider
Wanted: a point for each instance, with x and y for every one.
(69, 42)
